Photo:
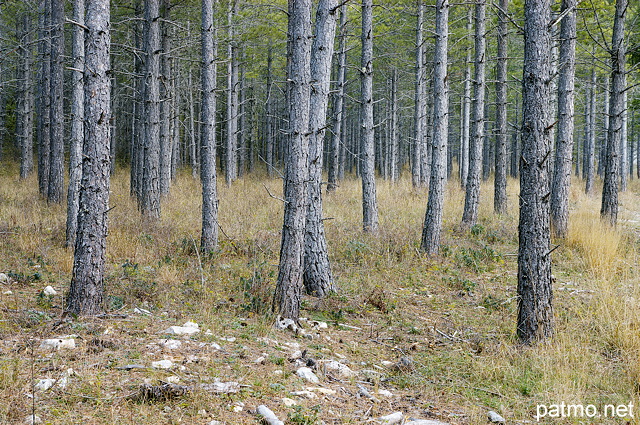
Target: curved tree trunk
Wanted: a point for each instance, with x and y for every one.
(367, 135)
(535, 312)
(609, 209)
(287, 297)
(564, 142)
(433, 217)
(77, 124)
(87, 284)
(209, 238)
(472, 196)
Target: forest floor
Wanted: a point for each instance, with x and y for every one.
(452, 315)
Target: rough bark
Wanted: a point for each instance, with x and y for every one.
(87, 284)
(609, 208)
(367, 135)
(591, 140)
(433, 218)
(231, 151)
(394, 142)
(466, 111)
(317, 270)
(269, 142)
(472, 194)
(418, 120)
(624, 146)
(24, 101)
(287, 297)
(43, 114)
(338, 106)
(535, 312)
(209, 238)
(55, 191)
(77, 124)
(166, 148)
(500, 179)
(564, 142)
(150, 202)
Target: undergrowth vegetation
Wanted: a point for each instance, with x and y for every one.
(454, 314)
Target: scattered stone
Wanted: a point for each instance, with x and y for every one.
(289, 402)
(341, 371)
(405, 364)
(306, 373)
(238, 407)
(387, 363)
(170, 344)
(7, 293)
(315, 324)
(278, 372)
(188, 328)
(48, 290)
(394, 418)
(172, 379)
(362, 391)
(4, 279)
(32, 419)
(164, 391)
(323, 391)
(284, 324)
(215, 423)
(268, 416)
(221, 387)
(44, 384)
(295, 355)
(384, 392)
(305, 394)
(58, 344)
(425, 422)
(131, 366)
(142, 311)
(495, 418)
(162, 364)
(228, 338)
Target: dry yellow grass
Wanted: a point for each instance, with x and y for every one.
(454, 314)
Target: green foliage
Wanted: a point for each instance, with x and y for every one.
(478, 260)
(256, 291)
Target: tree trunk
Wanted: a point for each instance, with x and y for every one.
(43, 114)
(287, 297)
(472, 196)
(591, 142)
(209, 239)
(87, 284)
(564, 142)
(138, 118)
(602, 155)
(56, 153)
(466, 114)
(500, 180)
(77, 124)
(624, 146)
(419, 125)
(433, 217)
(337, 139)
(367, 136)
(165, 96)
(609, 209)
(269, 118)
(535, 312)
(24, 101)
(193, 143)
(150, 202)
(231, 151)
(394, 131)
(317, 271)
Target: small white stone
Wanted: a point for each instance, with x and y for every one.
(162, 364)
(304, 393)
(44, 384)
(260, 360)
(172, 379)
(215, 423)
(7, 293)
(191, 324)
(495, 417)
(387, 363)
(181, 330)
(228, 339)
(142, 311)
(394, 418)
(170, 344)
(48, 290)
(58, 344)
(306, 373)
(278, 372)
(202, 412)
(4, 278)
(289, 402)
(343, 371)
(296, 355)
(323, 391)
(384, 392)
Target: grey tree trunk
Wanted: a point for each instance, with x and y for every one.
(24, 101)
(338, 106)
(433, 218)
(209, 238)
(231, 151)
(472, 195)
(591, 141)
(77, 124)
(43, 114)
(138, 116)
(55, 190)
(466, 111)
(86, 293)
(535, 311)
(367, 135)
(624, 147)
(270, 142)
(609, 209)
(500, 179)
(394, 143)
(564, 142)
(150, 202)
(193, 143)
(287, 297)
(418, 122)
(602, 156)
(166, 148)
(317, 271)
